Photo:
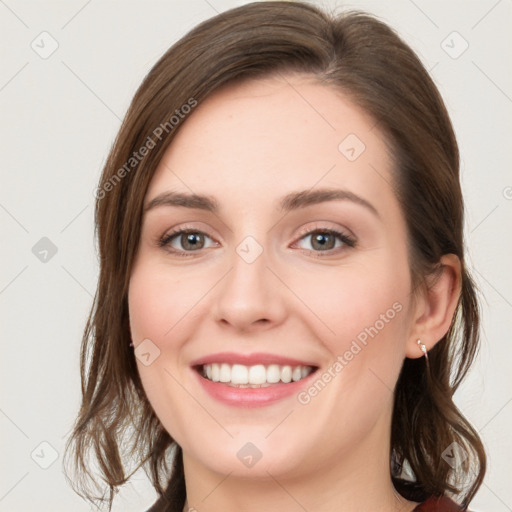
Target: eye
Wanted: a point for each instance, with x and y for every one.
(184, 240)
(325, 240)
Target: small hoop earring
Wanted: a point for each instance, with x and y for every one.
(423, 348)
(131, 343)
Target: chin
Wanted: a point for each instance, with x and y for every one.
(252, 457)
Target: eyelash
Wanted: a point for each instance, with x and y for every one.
(347, 240)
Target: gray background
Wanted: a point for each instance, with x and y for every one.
(59, 115)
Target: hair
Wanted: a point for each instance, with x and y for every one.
(364, 58)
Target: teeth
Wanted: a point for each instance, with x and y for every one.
(273, 374)
(254, 376)
(257, 374)
(225, 373)
(286, 374)
(240, 374)
(215, 372)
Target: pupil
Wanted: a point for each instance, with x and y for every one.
(322, 241)
(192, 241)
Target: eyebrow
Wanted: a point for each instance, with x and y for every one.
(290, 202)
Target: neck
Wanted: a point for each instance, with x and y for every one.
(355, 480)
(227, 494)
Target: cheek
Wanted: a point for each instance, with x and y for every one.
(158, 302)
(356, 303)
(158, 305)
(363, 319)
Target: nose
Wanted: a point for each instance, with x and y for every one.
(250, 297)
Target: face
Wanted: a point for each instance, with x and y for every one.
(292, 268)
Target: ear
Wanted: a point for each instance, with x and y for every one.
(435, 306)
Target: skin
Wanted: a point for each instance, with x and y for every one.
(248, 145)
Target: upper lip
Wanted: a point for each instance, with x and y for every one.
(249, 359)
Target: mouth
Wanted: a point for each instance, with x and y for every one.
(254, 376)
(252, 380)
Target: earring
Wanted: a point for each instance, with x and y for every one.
(131, 343)
(423, 348)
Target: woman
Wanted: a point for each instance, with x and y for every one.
(283, 311)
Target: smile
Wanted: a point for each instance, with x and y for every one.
(252, 380)
(255, 376)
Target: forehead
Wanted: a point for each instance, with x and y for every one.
(264, 137)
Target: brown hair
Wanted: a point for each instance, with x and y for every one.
(364, 58)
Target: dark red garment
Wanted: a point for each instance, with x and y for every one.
(442, 504)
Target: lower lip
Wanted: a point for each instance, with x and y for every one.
(251, 397)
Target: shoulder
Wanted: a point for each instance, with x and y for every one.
(439, 504)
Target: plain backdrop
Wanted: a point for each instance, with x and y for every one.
(68, 72)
